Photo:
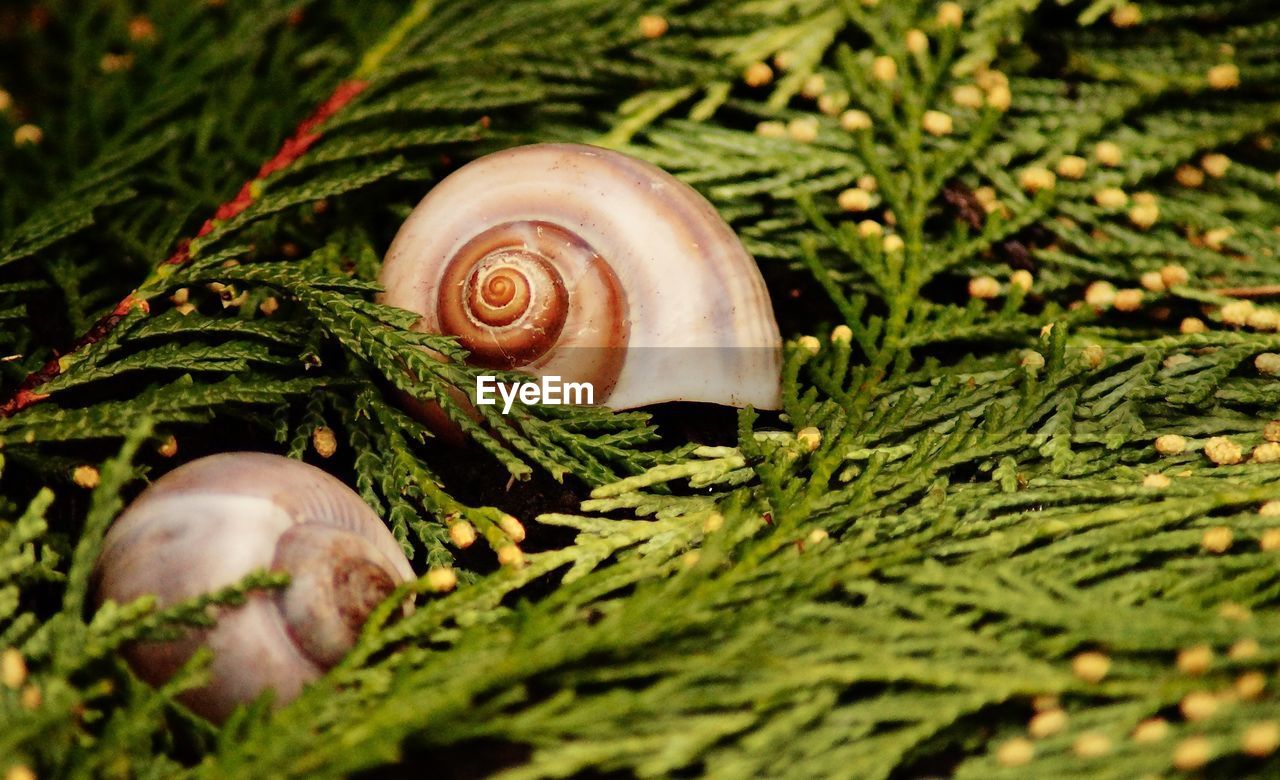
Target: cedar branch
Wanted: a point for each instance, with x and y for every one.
(303, 137)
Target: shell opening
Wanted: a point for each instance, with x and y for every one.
(337, 578)
(363, 585)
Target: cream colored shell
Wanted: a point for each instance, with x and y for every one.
(696, 324)
(209, 523)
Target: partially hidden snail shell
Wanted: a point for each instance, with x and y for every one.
(207, 524)
(588, 264)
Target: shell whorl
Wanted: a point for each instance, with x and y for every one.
(660, 294)
(510, 293)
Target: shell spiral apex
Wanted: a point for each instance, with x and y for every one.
(208, 524)
(588, 264)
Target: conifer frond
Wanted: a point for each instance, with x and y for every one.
(1016, 518)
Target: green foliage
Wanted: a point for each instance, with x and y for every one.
(962, 495)
(60, 706)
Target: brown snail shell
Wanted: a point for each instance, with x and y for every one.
(588, 264)
(207, 524)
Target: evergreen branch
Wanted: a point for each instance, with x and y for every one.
(304, 136)
(1014, 521)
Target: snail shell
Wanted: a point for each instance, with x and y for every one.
(207, 524)
(588, 264)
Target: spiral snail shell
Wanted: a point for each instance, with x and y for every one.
(207, 524)
(584, 263)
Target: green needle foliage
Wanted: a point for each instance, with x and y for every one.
(1019, 515)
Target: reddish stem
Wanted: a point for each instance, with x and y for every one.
(304, 136)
